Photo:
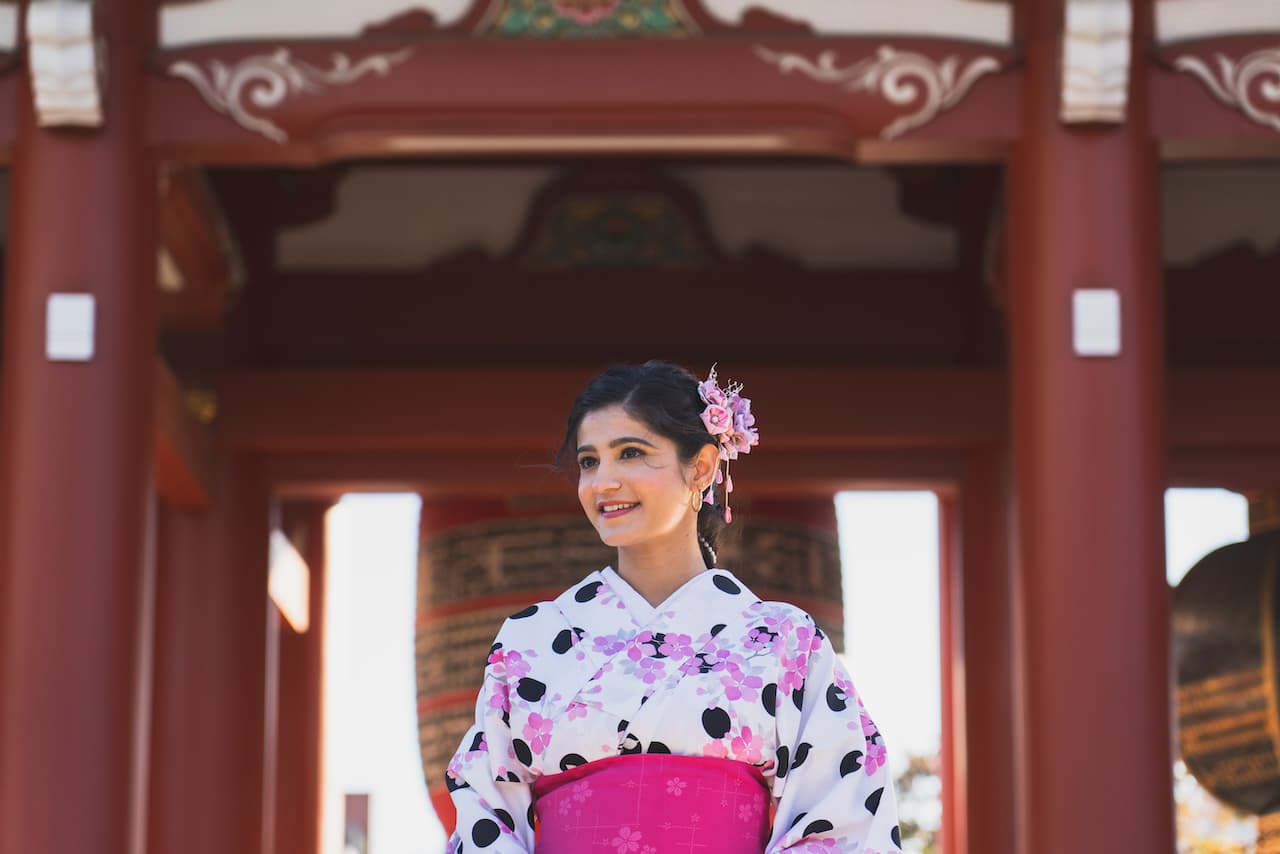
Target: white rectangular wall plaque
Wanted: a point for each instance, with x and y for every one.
(1095, 321)
(69, 327)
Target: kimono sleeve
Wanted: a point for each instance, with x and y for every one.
(833, 785)
(489, 786)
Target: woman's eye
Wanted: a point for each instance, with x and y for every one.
(586, 462)
(638, 452)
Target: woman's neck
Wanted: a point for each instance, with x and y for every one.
(658, 568)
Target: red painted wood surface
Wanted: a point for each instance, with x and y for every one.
(182, 455)
(471, 97)
(77, 444)
(496, 319)
(953, 751)
(300, 740)
(982, 724)
(524, 410)
(811, 409)
(478, 97)
(1089, 452)
(1190, 119)
(209, 704)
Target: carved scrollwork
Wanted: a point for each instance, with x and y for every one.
(1250, 84)
(266, 80)
(900, 77)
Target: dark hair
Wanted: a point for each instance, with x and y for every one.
(665, 397)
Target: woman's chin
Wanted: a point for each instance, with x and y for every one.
(620, 539)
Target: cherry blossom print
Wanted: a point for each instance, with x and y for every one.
(626, 840)
(609, 644)
(792, 676)
(746, 746)
(650, 670)
(516, 664)
(761, 639)
(715, 748)
(868, 726)
(876, 757)
(537, 732)
(576, 710)
(676, 786)
(740, 685)
(676, 646)
(500, 699)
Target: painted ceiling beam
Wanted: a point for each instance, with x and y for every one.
(311, 101)
(522, 411)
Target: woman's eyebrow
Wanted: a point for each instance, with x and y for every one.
(621, 440)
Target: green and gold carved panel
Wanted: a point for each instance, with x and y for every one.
(553, 19)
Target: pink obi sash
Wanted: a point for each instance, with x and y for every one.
(648, 802)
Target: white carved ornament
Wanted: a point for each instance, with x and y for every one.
(65, 58)
(900, 77)
(1251, 84)
(266, 80)
(1095, 60)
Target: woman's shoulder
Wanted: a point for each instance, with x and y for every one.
(787, 613)
(540, 613)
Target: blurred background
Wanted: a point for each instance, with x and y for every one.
(296, 295)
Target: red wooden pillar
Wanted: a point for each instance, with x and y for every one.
(210, 690)
(76, 451)
(1088, 462)
(301, 722)
(978, 746)
(953, 752)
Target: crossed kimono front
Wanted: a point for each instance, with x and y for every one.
(714, 722)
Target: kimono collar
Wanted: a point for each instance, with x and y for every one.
(604, 603)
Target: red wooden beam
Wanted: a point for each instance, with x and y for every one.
(182, 452)
(1190, 115)
(499, 318)
(494, 430)
(528, 475)
(807, 408)
(482, 97)
(516, 410)
(9, 93)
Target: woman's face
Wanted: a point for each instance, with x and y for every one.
(631, 483)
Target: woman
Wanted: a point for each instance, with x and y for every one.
(658, 706)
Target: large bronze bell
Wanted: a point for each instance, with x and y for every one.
(1224, 647)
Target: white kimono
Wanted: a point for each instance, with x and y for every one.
(712, 671)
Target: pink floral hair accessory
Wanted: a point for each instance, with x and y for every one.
(728, 418)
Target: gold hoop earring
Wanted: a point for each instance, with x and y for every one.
(696, 495)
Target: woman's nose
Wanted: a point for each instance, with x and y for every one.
(605, 480)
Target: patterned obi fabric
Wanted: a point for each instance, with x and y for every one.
(653, 803)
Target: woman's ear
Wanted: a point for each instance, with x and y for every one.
(704, 465)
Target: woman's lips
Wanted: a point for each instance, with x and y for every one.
(613, 514)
